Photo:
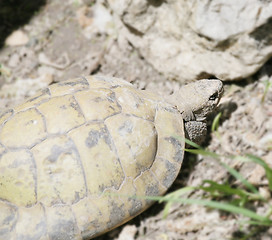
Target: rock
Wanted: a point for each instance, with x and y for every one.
(188, 40)
(95, 19)
(128, 233)
(14, 60)
(17, 38)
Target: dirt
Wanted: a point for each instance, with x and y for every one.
(65, 41)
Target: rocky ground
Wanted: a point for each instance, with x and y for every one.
(65, 39)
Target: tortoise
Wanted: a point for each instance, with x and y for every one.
(74, 157)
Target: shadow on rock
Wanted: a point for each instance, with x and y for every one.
(15, 13)
(226, 109)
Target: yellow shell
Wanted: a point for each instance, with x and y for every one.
(76, 158)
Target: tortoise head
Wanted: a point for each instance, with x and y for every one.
(195, 101)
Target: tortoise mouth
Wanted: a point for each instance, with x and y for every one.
(201, 119)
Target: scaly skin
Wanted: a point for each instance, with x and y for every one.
(195, 101)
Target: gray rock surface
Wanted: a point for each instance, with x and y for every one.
(188, 40)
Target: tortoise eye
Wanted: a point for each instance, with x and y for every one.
(214, 96)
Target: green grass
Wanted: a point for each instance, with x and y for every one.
(216, 121)
(268, 84)
(224, 196)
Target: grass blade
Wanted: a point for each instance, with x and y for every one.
(258, 223)
(192, 144)
(203, 152)
(239, 177)
(227, 207)
(215, 122)
(232, 171)
(224, 188)
(268, 84)
(176, 194)
(261, 162)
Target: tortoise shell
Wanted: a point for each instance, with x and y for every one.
(75, 157)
